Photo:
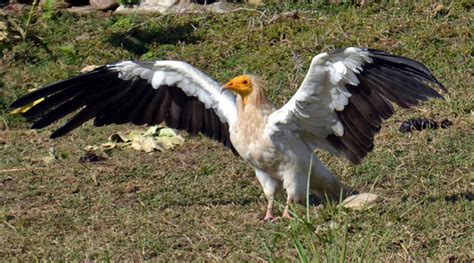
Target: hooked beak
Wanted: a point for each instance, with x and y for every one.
(226, 86)
(222, 89)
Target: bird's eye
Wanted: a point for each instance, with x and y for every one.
(245, 82)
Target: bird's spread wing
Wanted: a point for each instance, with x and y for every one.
(137, 92)
(347, 94)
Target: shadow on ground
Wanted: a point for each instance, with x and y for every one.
(138, 40)
(453, 198)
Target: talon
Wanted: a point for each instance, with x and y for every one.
(272, 219)
(268, 219)
(286, 215)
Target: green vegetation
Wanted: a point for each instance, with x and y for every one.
(199, 202)
(128, 2)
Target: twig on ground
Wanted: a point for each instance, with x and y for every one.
(12, 170)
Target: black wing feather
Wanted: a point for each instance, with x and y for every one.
(152, 107)
(57, 86)
(388, 79)
(103, 96)
(107, 109)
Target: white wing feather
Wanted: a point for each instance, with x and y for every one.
(189, 79)
(311, 111)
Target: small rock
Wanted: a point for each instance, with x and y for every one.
(87, 9)
(360, 201)
(255, 2)
(104, 5)
(164, 3)
(173, 6)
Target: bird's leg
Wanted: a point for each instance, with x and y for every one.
(286, 211)
(270, 187)
(269, 215)
(326, 185)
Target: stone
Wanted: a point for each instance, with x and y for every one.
(81, 9)
(104, 5)
(255, 2)
(163, 3)
(174, 6)
(360, 201)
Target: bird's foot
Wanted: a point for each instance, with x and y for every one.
(269, 216)
(276, 218)
(269, 219)
(286, 214)
(272, 219)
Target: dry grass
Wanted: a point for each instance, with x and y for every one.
(199, 202)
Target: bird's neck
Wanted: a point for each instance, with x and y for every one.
(249, 129)
(256, 103)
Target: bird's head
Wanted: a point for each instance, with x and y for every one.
(242, 85)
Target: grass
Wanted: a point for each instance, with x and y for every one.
(200, 203)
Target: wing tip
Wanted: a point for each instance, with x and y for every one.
(407, 62)
(50, 89)
(56, 134)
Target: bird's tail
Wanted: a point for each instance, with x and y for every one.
(326, 186)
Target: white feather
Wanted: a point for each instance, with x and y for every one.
(158, 78)
(185, 77)
(338, 129)
(312, 110)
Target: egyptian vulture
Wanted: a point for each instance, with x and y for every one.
(339, 107)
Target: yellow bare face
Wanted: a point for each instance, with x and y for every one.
(241, 85)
